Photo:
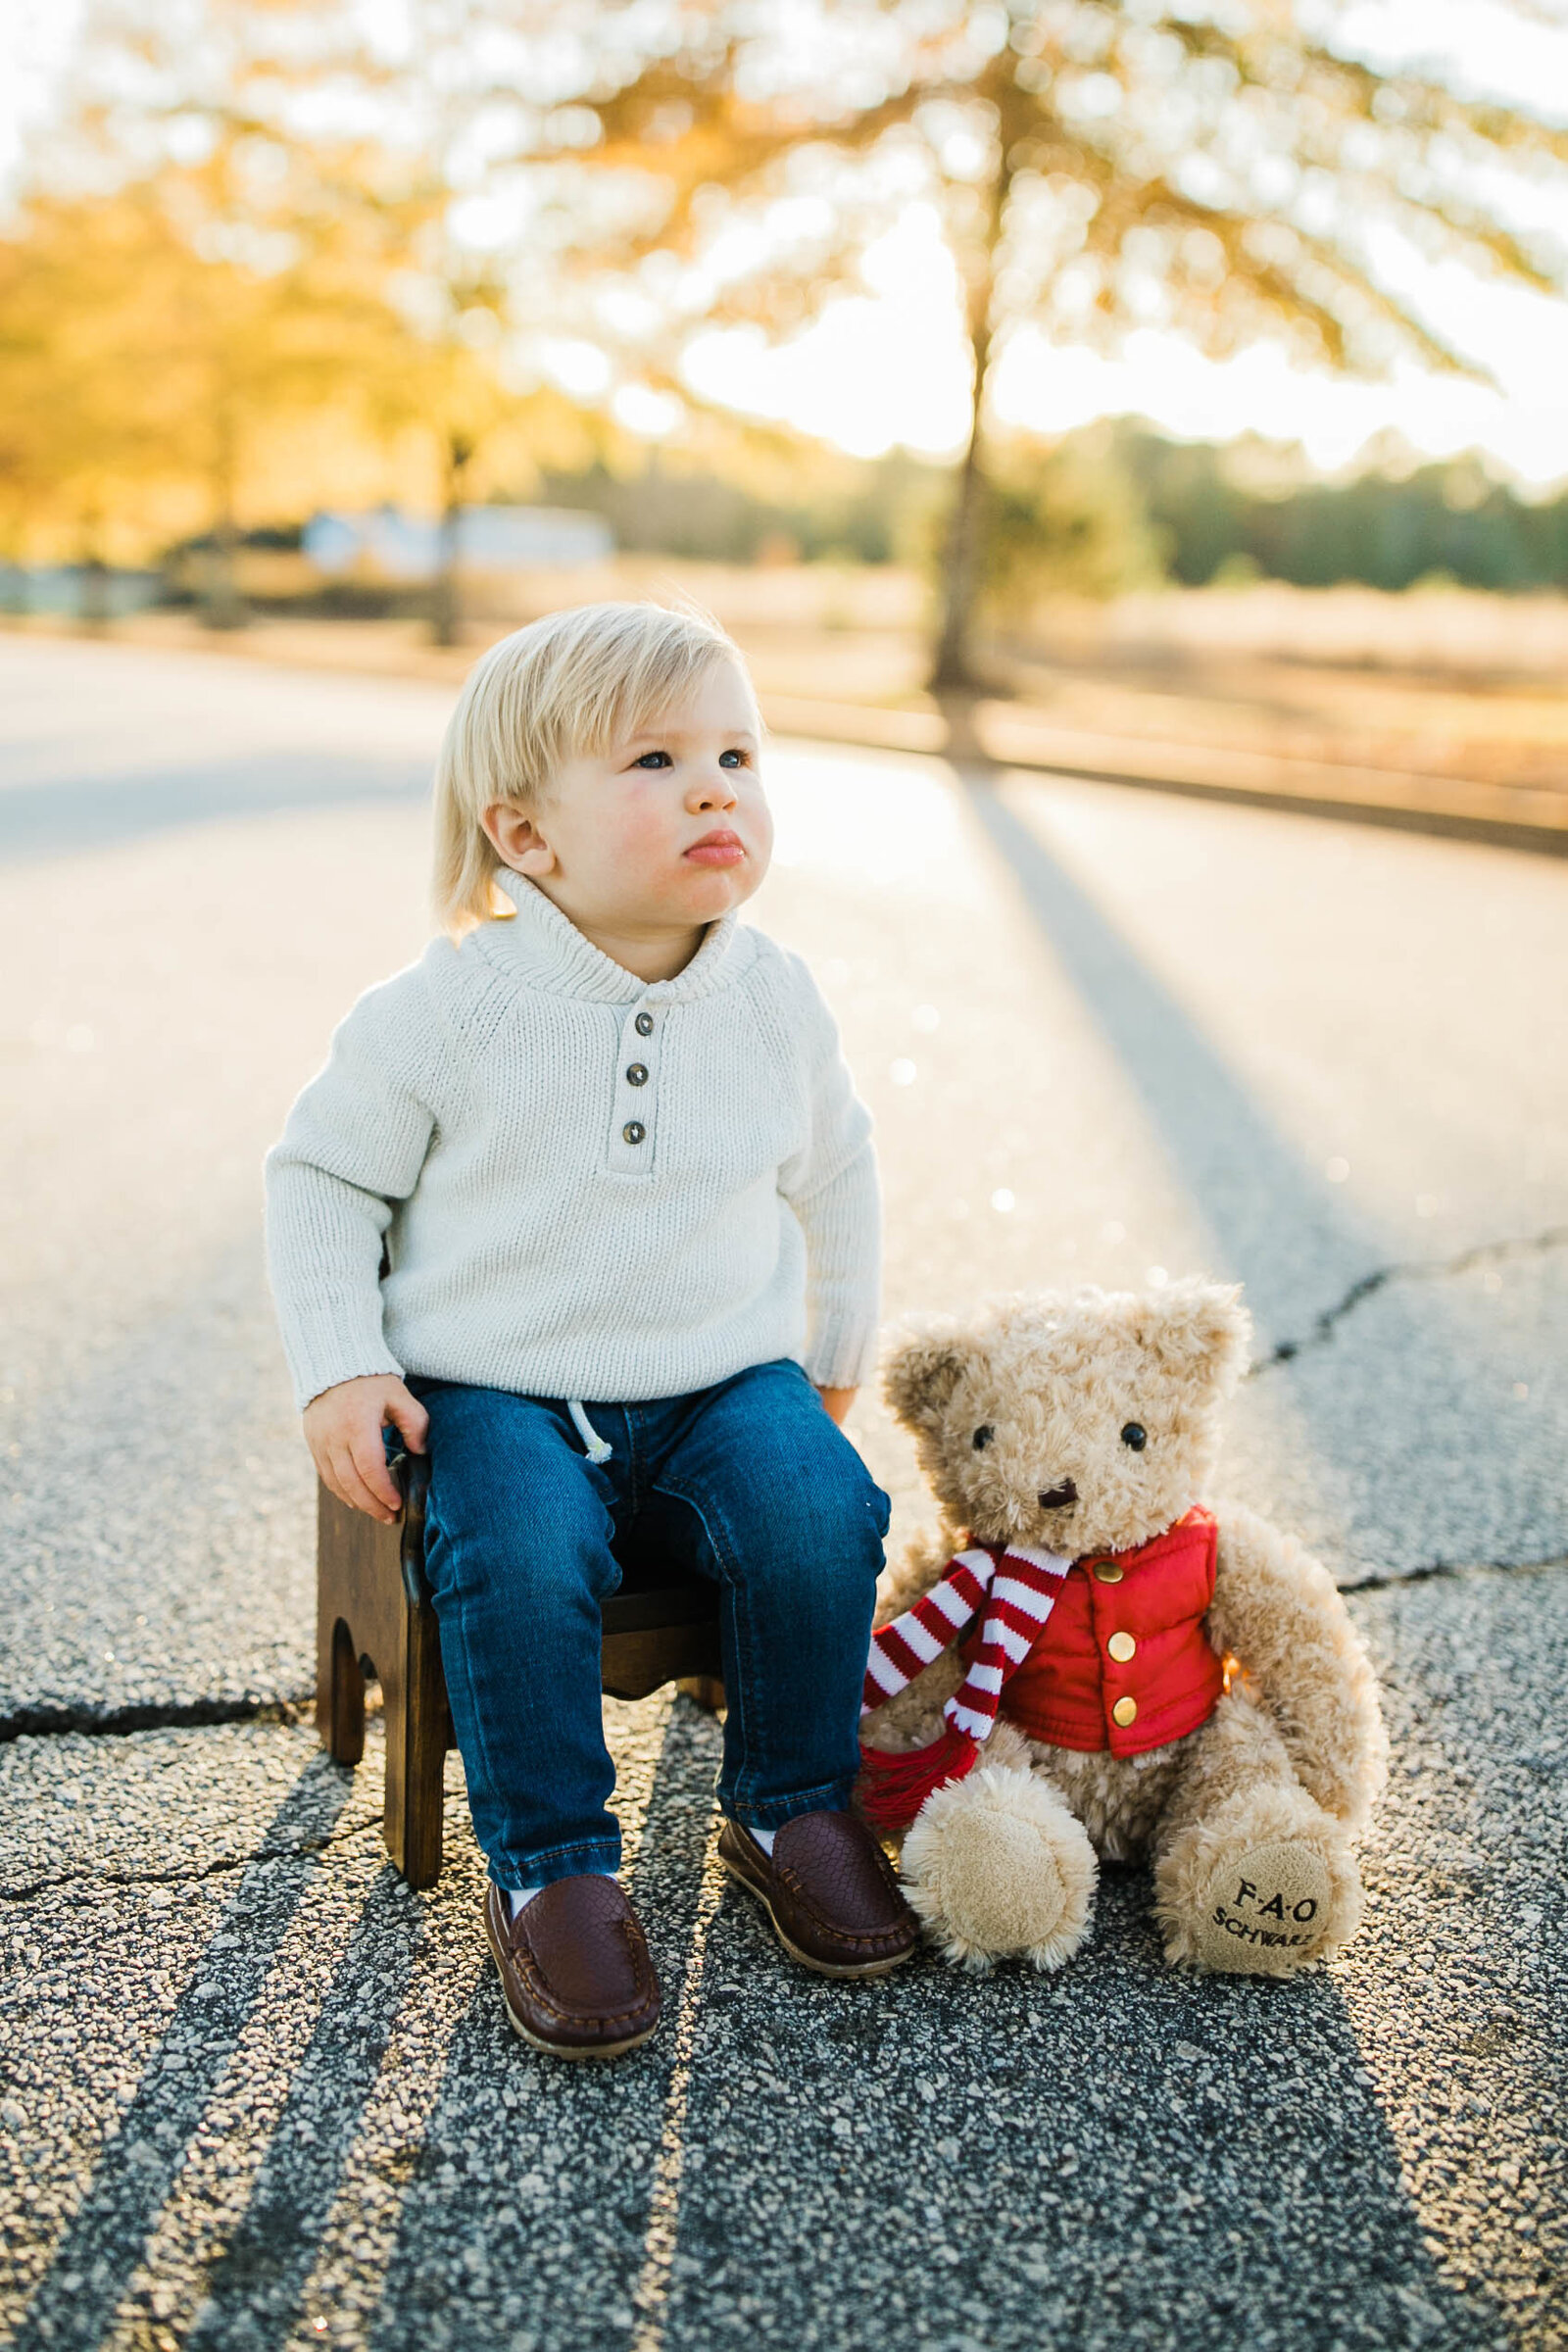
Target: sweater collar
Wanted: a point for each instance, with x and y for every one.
(544, 946)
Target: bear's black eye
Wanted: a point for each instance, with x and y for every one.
(1136, 1436)
(983, 1437)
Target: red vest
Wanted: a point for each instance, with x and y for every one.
(1073, 1691)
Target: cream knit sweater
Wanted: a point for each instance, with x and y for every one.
(587, 1185)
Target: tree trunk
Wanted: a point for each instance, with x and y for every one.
(446, 592)
(93, 609)
(952, 669)
(223, 606)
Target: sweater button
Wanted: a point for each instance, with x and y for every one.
(1124, 1712)
(645, 1024)
(1109, 1572)
(1122, 1647)
(634, 1131)
(637, 1074)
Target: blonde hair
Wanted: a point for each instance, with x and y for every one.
(566, 685)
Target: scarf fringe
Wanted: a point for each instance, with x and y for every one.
(893, 1786)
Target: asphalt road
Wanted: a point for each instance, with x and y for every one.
(253, 2092)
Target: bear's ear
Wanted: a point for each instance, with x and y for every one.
(921, 1370)
(1200, 1330)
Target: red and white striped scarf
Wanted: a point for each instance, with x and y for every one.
(1018, 1587)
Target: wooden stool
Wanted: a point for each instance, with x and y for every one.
(373, 1617)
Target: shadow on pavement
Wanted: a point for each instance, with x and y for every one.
(1267, 1211)
(109, 2234)
(63, 816)
(1115, 2160)
(537, 2195)
(255, 2290)
(1289, 1235)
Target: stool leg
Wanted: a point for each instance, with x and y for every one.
(415, 1699)
(705, 1690)
(340, 1697)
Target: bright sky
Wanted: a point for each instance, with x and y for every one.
(873, 372)
(887, 366)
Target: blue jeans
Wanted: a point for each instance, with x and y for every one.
(749, 1482)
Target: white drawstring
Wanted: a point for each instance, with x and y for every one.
(598, 1450)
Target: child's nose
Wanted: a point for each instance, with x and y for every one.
(715, 791)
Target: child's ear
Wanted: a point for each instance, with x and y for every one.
(925, 1365)
(517, 840)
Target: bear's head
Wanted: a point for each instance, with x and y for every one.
(1076, 1424)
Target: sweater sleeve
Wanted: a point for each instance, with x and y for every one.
(352, 1148)
(833, 1187)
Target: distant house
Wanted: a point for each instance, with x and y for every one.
(384, 543)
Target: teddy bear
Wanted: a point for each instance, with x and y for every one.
(1087, 1661)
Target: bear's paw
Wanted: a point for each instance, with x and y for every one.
(998, 1868)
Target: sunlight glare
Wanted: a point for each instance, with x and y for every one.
(882, 824)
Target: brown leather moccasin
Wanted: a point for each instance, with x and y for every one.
(574, 1968)
(830, 1892)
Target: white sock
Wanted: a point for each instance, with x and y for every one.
(517, 1897)
(762, 1837)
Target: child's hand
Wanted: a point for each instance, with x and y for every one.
(838, 1402)
(343, 1430)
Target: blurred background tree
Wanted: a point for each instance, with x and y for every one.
(1068, 520)
(1395, 523)
(1094, 168)
(83, 429)
(197, 278)
(475, 250)
(277, 236)
(260, 232)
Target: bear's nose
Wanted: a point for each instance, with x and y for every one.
(1057, 1498)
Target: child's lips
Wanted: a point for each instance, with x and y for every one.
(716, 848)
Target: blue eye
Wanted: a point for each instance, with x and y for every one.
(732, 758)
(654, 759)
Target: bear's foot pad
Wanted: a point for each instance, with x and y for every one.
(1266, 1910)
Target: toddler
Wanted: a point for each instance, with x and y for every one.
(585, 1205)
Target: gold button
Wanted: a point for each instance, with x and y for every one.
(1124, 1712)
(1109, 1572)
(1122, 1647)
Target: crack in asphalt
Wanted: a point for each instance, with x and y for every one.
(226, 1863)
(112, 1723)
(49, 1722)
(1479, 1253)
(1457, 1571)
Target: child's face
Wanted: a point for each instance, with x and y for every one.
(619, 844)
